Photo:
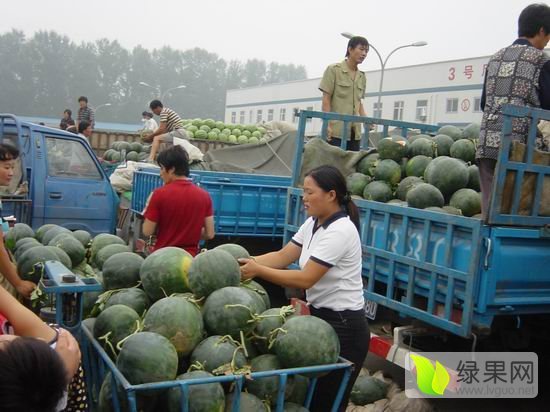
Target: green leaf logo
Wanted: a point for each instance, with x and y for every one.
(431, 381)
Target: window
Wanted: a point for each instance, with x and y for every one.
(452, 105)
(251, 117)
(282, 115)
(310, 108)
(398, 110)
(377, 111)
(233, 117)
(421, 110)
(296, 115)
(259, 116)
(241, 117)
(70, 159)
(270, 115)
(477, 104)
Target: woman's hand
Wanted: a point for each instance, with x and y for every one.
(25, 288)
(249, 268)
(67, 348)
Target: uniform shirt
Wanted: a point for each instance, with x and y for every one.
(346, 94)
(179, 209)
(171, 118)
(336, 245)
(150, 125)
(86, 113)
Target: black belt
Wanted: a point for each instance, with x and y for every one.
(350, 314)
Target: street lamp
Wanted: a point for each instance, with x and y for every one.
(102, 105)
(181, 86)
(383, 62)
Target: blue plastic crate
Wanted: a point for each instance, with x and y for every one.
(97, 364)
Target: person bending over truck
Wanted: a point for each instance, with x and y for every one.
(518, 74)
(343, 86)
(9, 279)
(179, 212)
(328, 249)
(171, 125)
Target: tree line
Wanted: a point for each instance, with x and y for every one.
(46, 73)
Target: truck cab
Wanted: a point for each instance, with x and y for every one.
(58, 179)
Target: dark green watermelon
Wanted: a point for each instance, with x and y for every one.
(122, 271)
(299, 390)
(259, 289)
(237, 251)
(388, 171)
(268, 387)
(271, 320)
(212, 270)
(114, 324)
(17, 232)
(83, 237)
(25, 241)
(356, 183)
(421, 146)
(417, 165)
(367, 164)
(248, 403)
(452, 131)
(378, 191)
(473, 178)
(108, 251)
(41, 231)
(423, 195)
(134, 298)
(443, 144)
(24, 247)
(30, 264)
(447, 174)
(367, 389)
(62, 256)
(178, 320)
(391, 148)
(53, 232)
(218, 354)
(202, 398)
(102, 240)
(105, 403)
(71, 246)
(471, 131)
(294, 407)
(467, 200)
(464, 149)
(405, 185)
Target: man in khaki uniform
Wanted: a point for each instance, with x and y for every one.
(343, 86)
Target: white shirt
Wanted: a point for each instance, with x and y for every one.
(150, 125)
(336, 245)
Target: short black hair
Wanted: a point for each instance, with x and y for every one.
(8, 152)
(532, 19)
(176, 158)
(83, 125)
(148, 114)
(33, 377)
(68, 111)
(154, 104)
(82, 99)
(356, 41)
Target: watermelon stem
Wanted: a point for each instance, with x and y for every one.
(255, 317)
(242, 343)
(196, 366)
(108, 343)
(273, 336)
(139, 328)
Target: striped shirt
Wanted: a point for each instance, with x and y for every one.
(86, 113)
(171, 118)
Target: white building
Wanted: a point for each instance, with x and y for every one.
(446, 92)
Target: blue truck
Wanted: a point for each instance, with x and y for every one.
(58, 179)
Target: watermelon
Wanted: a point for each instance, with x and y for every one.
(223, 137)
(147, 357)
(294, 407)
(391, 148)
(417, 165)
(447, 174)
(451, 210)
(248, 133)
(24, 247)
(230, 310)
(124, 146)
(388, 171)
(71, 246)
(213, 270)
(452, 131)
(356, 183)
(219, 125)
(268, 387)
(232, 139)
(42, 230)
(435, 209)
(134, 298)
(197, 122)
(192, 129)
(206, 128)
(242, 139)
(473, 178)
(218, 352)
(136, 147)
(17, 232)
(397, 202)
(418, 136)
(108, 251)
(105, 402)
(83, 237)
(201, 134)
(237, 251)
(367, 389)
(132, 156)
(102, 240)
(259, 290)
(207, 397)
(62, 256)
(403, 165)
(116, 157)
(443, 145)
(226, 131)
(313, 333)
(270, 320)
(464, 149)
(471, 131)
(248, 403)
(34, 256)
(421, 146)
(211, 123)
(424, 195)
(165, 271)
(367, 164)
(122, 271)
(236, 132)
(299, 390)
(467, 200)
(256, 133)
(114, 324)
(178, 320)
(377, 191)
(253, 140)
(405, 185)
(26, 240)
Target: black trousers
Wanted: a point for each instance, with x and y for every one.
(350, 145)
(352, 329)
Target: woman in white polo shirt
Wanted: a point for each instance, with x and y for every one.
(328, 248)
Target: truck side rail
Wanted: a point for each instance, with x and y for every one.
(524, 206)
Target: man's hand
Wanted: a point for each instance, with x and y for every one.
(68, 350)
(249, 268)
(329, 133)
(25, 288)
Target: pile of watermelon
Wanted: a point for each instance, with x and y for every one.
(120, 151)
(171, 316)
(427, 172)
(210, 129)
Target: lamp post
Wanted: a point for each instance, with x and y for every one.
(101, 105)
(162, 95)
(181, 86)
(383, 64)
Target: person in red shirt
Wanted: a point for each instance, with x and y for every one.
(179, 212)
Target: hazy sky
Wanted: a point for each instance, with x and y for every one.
(286, 31)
